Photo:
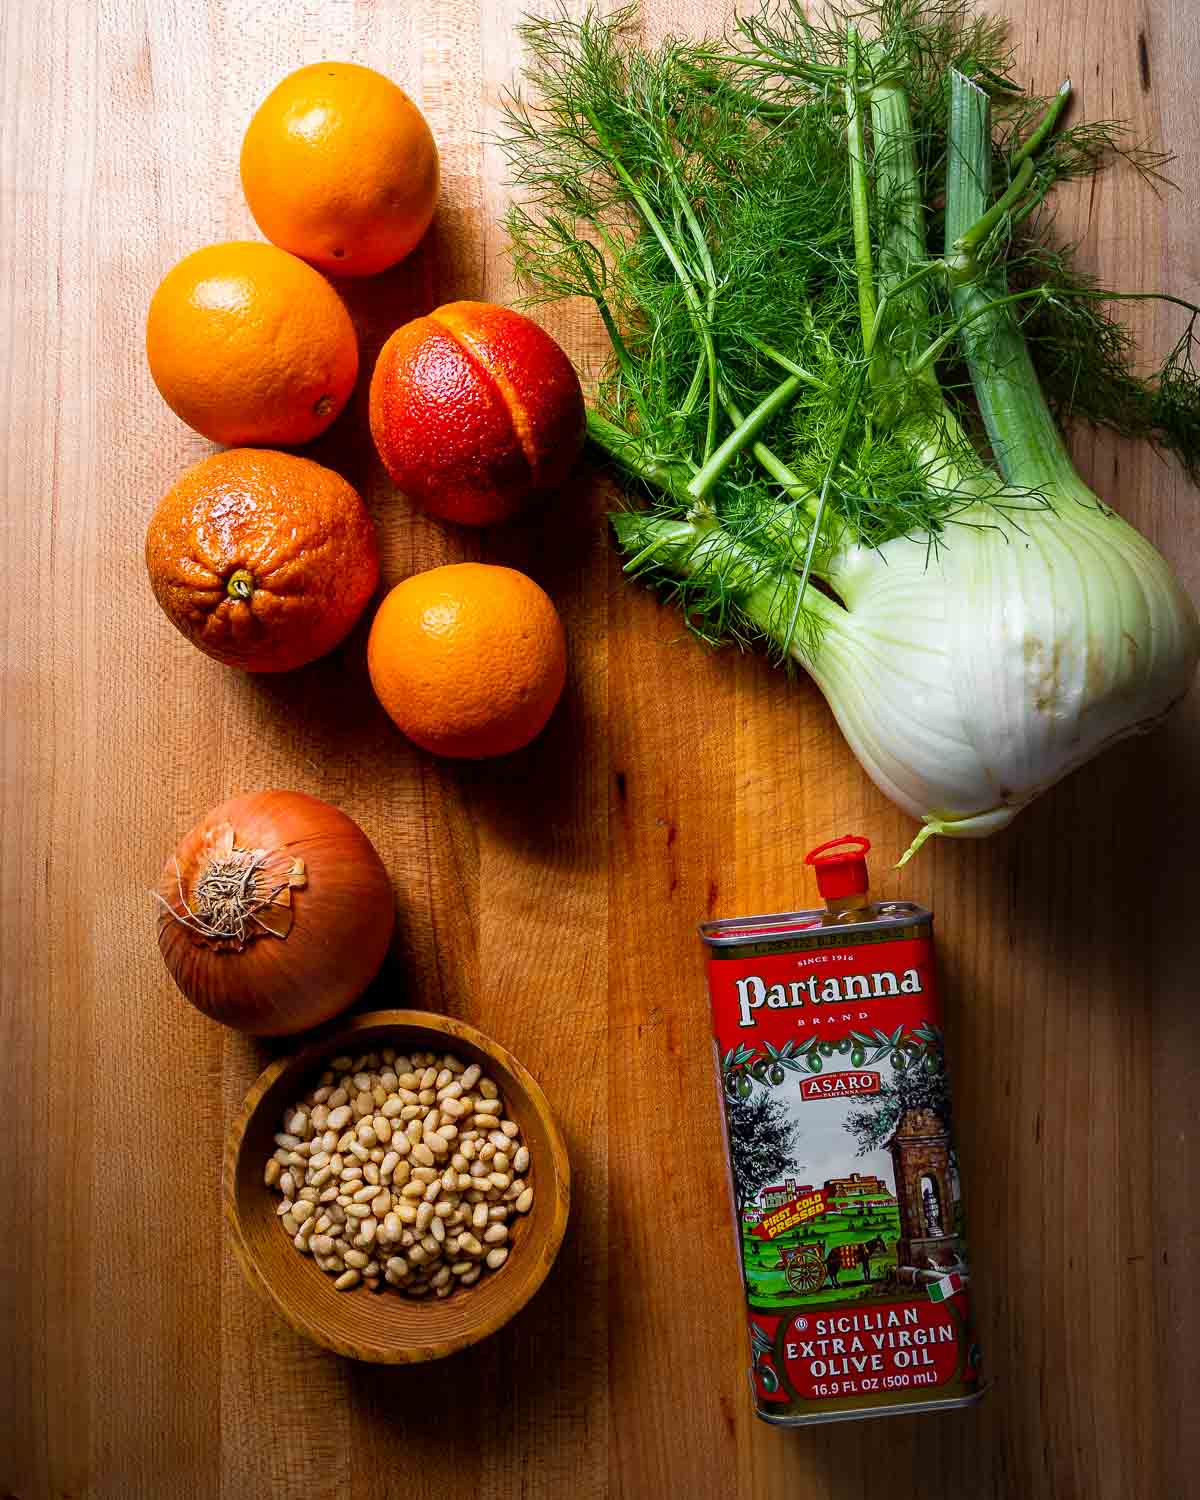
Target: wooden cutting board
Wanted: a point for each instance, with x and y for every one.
(550, 899)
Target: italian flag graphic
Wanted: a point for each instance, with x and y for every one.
(945, 1287)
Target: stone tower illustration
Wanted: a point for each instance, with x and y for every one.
(920, 1150)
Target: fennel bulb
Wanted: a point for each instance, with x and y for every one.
(968, 681)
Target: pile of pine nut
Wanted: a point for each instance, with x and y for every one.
(401, 1170)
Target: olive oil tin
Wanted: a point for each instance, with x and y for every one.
(843, 1177)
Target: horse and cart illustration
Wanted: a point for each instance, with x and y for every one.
(809, 1266)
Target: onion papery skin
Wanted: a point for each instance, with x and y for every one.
(342, 918)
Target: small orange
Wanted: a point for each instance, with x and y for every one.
(263, 560)
(469, 660)
(339, 166)
(249, 345)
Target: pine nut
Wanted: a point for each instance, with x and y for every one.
(415, 1155)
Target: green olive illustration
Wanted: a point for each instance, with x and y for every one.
(814, 1062)
(731, 1083)
(899, 1060)
(743, 1087)
(844, 1045)
(758, 1071)
(826, 1049)
(768, 1377)
(857, 1058)
(775, 1074)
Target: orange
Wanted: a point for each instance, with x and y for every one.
(476, 412)
(338, 166)
(469, 660)
(263, 560)
(249, 345)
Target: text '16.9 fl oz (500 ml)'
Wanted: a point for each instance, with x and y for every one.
(838, 1131)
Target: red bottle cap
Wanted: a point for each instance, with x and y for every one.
(843, 874)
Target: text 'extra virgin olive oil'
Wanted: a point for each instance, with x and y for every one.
(843, 1176)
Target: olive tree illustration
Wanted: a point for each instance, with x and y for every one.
(874, 1120)
(761, 1141)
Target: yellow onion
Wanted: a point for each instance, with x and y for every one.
(275, 913)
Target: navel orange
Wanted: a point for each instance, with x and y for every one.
(263, 560)
(476, 411)
(469, 660)
(339, 166)
(249, 345)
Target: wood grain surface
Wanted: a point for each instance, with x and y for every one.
(551, 899)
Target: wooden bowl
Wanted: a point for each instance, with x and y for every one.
(386, 1327)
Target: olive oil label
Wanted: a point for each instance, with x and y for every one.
(844, 1178)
